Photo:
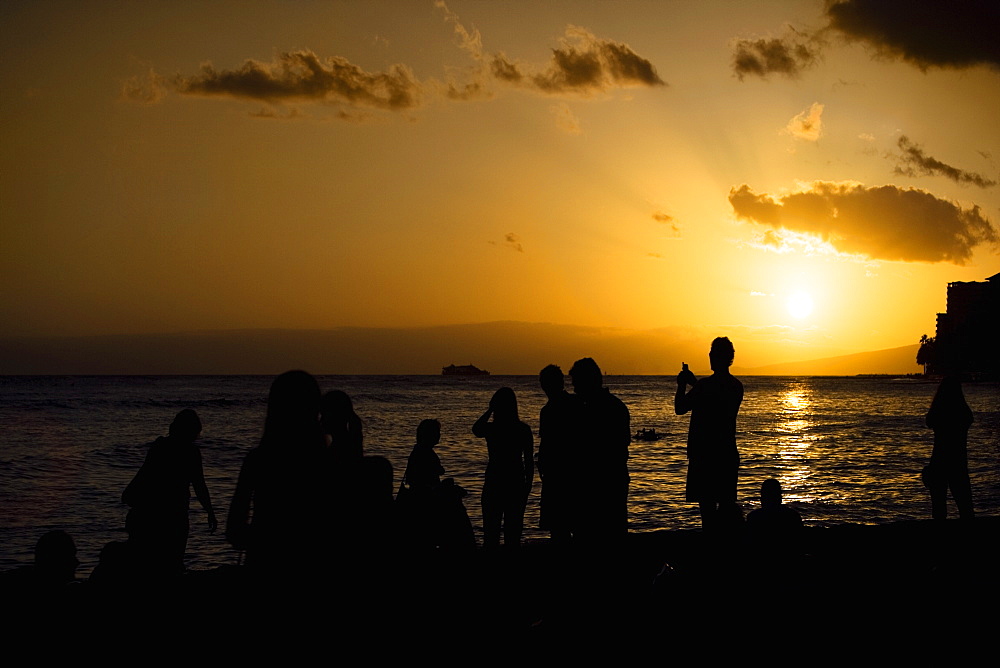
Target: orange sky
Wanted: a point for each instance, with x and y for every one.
(172, 166)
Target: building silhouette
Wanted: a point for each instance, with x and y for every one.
(967, 331)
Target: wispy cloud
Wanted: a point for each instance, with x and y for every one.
(565, 120)
(881, 222)
(583, 64)
(302, 75)
(511, 241)
(147, 88)
(787, 56)
(807, 125)
(668, 220)
(469, 41)
(914, 161)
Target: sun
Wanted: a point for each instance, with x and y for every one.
(799, 305)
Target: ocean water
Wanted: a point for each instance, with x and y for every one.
(844, 449)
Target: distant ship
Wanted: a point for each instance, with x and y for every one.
(466, 370)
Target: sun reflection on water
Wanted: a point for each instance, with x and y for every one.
(794, 440)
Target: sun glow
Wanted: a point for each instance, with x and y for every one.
(799, 305)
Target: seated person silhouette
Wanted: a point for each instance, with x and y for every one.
(434, 513)
(774, 525)
(54, 566)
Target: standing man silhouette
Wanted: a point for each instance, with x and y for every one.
(713, 460)
(558, 435)
(601, 471)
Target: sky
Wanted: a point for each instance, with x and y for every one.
(803, 177)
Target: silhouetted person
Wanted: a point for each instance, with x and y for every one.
(342, 426)
(558, 435)
(359, 488)
(600, 457)
(773, 522)
(435, 514)
(160, 493)
(510, 471)
(950, 417)
(713, 460)
(281, 485)
(54, 567)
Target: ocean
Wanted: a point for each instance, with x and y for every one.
(846, 450)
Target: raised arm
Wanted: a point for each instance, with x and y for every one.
(683, 401)
(480, 428)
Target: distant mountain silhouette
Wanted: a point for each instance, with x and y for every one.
(900, 360)
(502, 347)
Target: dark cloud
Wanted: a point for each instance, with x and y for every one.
(915, 162)
(583, 64)
(882, 222)
(514, 242)
(787, 56)
(302, 75)
(505, 70)
(926, 33)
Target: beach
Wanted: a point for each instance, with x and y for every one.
(905, 588)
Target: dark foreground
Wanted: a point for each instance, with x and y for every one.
(899, 589)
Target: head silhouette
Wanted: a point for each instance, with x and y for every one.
(770, 493)
(429, 433)
(186, 425)
(292, 407)
(721, 354)
(336, 403)
(586, 376)
(504, 404)
(551, 379)
(55, 556)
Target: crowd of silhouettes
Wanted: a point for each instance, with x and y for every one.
(309, 485)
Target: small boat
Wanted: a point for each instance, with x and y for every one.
(647, 435)
(465, 370)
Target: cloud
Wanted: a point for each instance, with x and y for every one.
(583, 64)
(474, 90)
(511, 241)
(915, 162)
(925, 33)
(667, 219)
(514, 242)
(882, 222)
(302, 75)
(807, 125)
(271, 113)
(565, 119)
(148, 88)
(468, 40)
(786, 56)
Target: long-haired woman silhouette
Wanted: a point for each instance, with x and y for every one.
(509, 472)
